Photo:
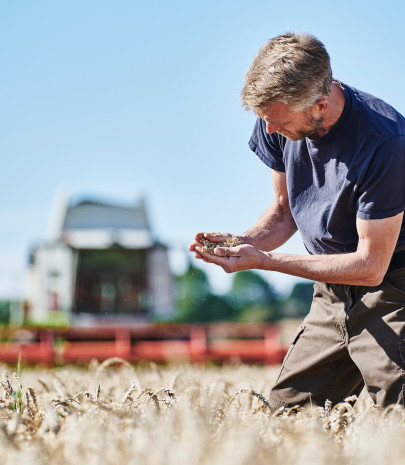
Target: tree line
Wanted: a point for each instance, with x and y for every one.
(251, 298)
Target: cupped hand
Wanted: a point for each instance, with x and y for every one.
(231, 259)
(211, 236)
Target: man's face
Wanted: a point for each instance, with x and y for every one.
(293, 125)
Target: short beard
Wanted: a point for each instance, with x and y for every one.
(314, 124)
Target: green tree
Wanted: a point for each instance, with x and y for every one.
(253, 298)
(195, 301)
(4, 312)
(299, 301)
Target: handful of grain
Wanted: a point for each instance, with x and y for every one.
(209, 246)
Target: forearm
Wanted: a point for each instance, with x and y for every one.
(353, 268)
(365, 267)
(272, 229)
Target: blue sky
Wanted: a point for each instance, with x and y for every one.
(117, 99)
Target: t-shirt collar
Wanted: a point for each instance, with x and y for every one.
(340, 123)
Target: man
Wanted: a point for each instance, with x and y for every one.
(338, 167)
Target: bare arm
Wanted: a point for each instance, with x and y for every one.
(365, 267)
(276, 225)
(271, 230)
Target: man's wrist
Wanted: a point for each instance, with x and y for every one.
(265, 260)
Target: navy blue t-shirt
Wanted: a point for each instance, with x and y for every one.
(357, 169)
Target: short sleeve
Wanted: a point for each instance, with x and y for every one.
(267, 147)
(382, 192)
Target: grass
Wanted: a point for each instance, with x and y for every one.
(114, 413)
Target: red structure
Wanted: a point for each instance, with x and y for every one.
(163, 343)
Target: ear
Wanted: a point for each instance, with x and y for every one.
(321, 105)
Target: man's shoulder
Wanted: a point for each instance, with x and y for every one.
(365, 98)
(376, 113)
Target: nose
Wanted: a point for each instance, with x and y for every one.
(270, 128)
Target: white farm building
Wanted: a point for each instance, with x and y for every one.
(103, 266)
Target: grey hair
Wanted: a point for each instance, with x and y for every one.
(292, 68)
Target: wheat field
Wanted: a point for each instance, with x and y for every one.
(113, 413)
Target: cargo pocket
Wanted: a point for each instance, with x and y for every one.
(295, 338)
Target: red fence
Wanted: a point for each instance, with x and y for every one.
(163, 343)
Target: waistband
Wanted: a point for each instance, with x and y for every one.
(397, 261)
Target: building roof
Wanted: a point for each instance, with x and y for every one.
(92, 224)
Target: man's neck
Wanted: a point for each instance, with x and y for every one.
(336, 103)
